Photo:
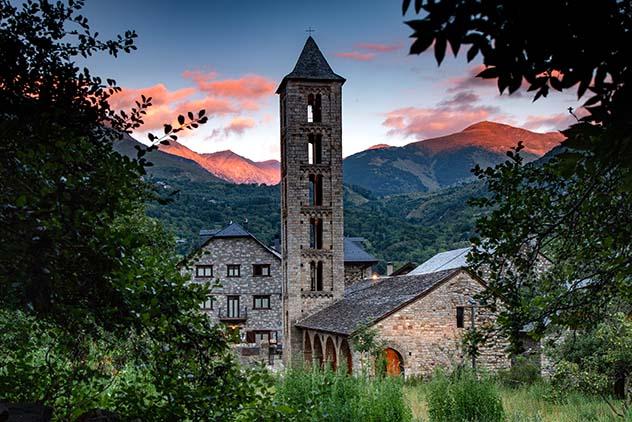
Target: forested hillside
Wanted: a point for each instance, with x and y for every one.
(399, 228)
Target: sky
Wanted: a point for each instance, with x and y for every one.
(229, 56)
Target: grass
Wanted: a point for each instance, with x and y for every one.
(535, 403)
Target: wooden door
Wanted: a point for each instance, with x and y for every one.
(394, 365)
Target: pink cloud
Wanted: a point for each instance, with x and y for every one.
(246, 87)
(549, 122)
(379, 48)
(238, 125)
(355, 55)
(450, 115)
(470, 80)
(159, 93)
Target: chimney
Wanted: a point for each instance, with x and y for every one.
(389, 268)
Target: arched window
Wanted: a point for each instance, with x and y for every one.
(310, 108)
(314, 148)
(315, 190)
(316, 276)
(315, 233)
(314, 113)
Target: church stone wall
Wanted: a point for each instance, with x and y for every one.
(425, 332)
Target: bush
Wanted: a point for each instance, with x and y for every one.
(523, 372)
(316, 395)
(463, 397)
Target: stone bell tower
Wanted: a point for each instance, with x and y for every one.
(311, 191)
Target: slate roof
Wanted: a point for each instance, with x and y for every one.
(354, 251)
(369, 301)
(311, 65)
(233, 230)
(447, 260)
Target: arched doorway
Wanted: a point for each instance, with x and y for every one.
(330, 354)
(345, 356)
(317, 351)
(307, 350)
(394, 362)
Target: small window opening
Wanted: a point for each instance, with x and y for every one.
(314, 149)
(315, 190)
(316, 233)
(460, 313)
(316, 276)
(310, 108)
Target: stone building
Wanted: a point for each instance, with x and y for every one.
(328, 298)
(248, 295)
(311, 190)
(420, 320)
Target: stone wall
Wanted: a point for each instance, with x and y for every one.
(356, 272)
(296, 211)
(425, 332)
(244, 251)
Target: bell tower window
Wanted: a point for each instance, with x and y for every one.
(314, 148)
(315, 190)
(316, 233)
(314, 113)
(316, 276)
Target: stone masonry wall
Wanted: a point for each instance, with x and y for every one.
(356, 272)
(425, 332)
(244, 252)
(296, 212)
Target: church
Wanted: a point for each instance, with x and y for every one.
(307, 297)
(420, 318)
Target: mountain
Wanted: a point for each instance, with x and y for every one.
(439, 162)
(165, 165)
(230, 166)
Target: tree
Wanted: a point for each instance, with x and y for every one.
(91, 280)
(573, 207)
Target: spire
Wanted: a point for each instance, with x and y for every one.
(311, 65)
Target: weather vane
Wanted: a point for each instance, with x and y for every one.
(310, 30)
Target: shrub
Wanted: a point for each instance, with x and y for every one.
(463, 397)
(314, 395)
(523, 372)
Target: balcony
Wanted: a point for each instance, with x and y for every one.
(226, 316)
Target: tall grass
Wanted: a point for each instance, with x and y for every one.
(315, 395)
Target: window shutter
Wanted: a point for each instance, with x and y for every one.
(250, 336)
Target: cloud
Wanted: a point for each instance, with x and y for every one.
(550, 122)
(450, 115)
(219, 97)
(247, 87)
(470, 81)
(371, 51)
(357, 56)
(238, 125)
(379, 48)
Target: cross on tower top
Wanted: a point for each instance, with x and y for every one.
(310, 30)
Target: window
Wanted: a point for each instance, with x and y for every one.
(209, 303)
(315, 190)
(460, 313)
(260, 335)
(314, 149)
(315, 233)
(316, 276)
(261, 270)
(314, 113)
(261, 302)
(204, 271)
(233, 270)
(232, 306)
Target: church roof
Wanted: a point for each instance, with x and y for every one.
(311, 65)
(456, 258)
(369, 301)
(354, 252)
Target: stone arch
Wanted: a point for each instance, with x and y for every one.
(317, 353)
(394, 362)
(330, 354)
(307, 350)
(346, 358)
